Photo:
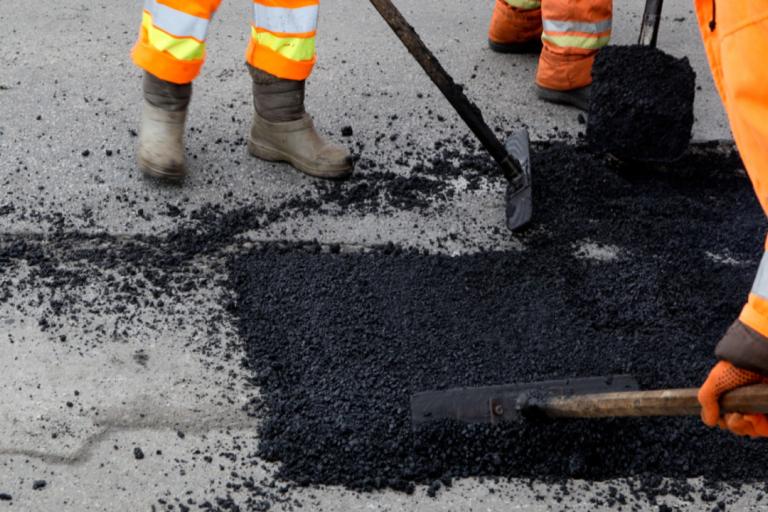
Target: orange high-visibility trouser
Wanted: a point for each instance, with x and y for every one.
(735, 35)
(574, 30)
(171, 42)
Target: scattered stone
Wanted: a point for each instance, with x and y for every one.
(138, 453)
(39, 484)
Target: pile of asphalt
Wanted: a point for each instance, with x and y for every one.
(625, 270)
(641, 106)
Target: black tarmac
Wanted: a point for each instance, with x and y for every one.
(642, 103)
(338, 342)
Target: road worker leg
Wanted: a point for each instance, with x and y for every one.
(171, 44)
(280, 57)
(282, 39)
(736, 38)
(171, 50)
(735, 34)
(515, 26)
(574, 31)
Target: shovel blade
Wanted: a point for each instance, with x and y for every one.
(519, 195)
(498, 404)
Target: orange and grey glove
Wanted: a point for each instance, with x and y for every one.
(740, 348)
(723, 378)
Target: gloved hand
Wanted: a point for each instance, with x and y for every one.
(723, 378)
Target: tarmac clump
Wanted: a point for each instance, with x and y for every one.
(338, 342)
(641, 105)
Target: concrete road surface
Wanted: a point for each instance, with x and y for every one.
(120, 371)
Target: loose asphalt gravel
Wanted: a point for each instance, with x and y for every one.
(338, 342)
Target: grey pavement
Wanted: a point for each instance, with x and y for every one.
(80, 396)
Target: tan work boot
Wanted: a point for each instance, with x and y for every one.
(161, 135)
(283, 132)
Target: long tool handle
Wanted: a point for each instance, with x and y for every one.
(667, 402)
(452, 92)
(649, 30)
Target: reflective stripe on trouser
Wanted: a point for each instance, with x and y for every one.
(283, 37)
(736, 50)
(524, 4)
(171, 42)
(574, 30)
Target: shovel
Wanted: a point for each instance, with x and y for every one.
(649, 30)
(592, 397)
(513, 157)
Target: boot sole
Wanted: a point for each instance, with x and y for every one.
(272, 154)
(158, 173)
(518, 48)
(561, 98)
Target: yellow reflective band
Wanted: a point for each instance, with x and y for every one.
(525, 4)
(585, 43)
(293, 48)
(180, 48)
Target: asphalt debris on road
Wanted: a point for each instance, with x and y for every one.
(641, 105)
(338, 342)
(335, 380)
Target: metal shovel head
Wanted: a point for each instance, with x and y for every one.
(508, 402)
(519, 193)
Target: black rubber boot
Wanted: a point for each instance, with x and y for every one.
(578, 98)
(527, 47)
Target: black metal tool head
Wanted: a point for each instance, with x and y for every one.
(509, 402)
(519, 199)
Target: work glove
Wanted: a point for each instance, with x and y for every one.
(723, 378)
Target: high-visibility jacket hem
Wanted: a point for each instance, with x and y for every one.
(753, 318)
(164, 66)
(744, 347)
(270, 61)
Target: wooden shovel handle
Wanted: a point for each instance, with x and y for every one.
(467, 110)
(665, 402)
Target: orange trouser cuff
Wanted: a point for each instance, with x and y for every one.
(275, 64)
(564, 72)
(164, 66)
(512, 25)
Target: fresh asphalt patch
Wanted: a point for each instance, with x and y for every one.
(626, 269)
